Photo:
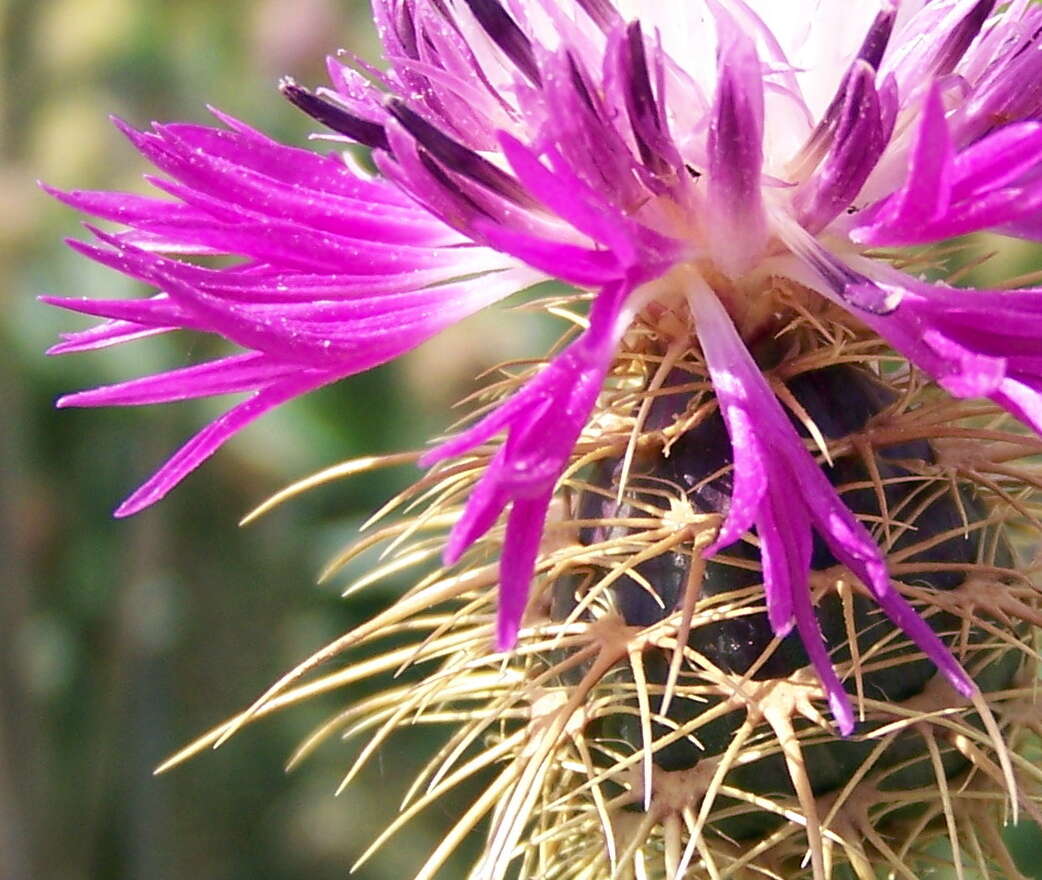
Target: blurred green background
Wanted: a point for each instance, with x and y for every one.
(120, 641)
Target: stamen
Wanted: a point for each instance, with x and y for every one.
(460, 199)
(878, 37)
(579, 82)
(860, 136)
(646, 119)
(456, 157)
(504, 32)
(962, 35)
(873, 47)
(362, 131)
(602, 12)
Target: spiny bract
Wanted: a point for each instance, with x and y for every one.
(649, 723)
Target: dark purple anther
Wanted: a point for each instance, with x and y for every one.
(962, 35)
(736, 140)
(371, 134)
(873, 47)
(504, 32)
(878, 37)
(456, 157)
(859, 141)
(463, 203)
(579, 82)
(645, 119)
(602, 13)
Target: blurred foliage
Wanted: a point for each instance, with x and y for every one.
(122, 640)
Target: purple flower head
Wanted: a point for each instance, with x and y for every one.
(667, 153)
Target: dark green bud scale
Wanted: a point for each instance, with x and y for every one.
(842, 400)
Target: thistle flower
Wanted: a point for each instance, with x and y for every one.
(715, 179)
(573, 144)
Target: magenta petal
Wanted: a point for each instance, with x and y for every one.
(281, 287)
(521, 547)
(783, 517)
(323, 334)
(122, 207)
(485, 504)
(304, 249)
(251, 150)
(568, 262)
(851, 544)
(974, 375)
(1023, 399)
(244, 372)
(210, 438)
(974, 343)
(571, 199)
(795, 543)
(998, 159)
(543, 422)
(157, 311)
(785, 554)
(999, 209)
(750, 479)
(103, 336)
(735, 150)
(926, 193)
(333, 277)
(992, 184)
(279, 374)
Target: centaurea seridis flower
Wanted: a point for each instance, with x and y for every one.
(706, 172)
